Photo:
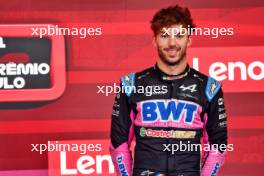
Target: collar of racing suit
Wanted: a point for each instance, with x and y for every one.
(166, 77)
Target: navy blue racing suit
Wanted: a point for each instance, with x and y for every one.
(165, 112)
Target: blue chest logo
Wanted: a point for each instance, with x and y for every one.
(170, 111)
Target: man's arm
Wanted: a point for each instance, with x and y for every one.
(216, 129)
(122, 132)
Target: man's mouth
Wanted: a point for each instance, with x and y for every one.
(172, 51)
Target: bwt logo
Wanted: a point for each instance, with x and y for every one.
(121, 166)
(216, 168)
(31, 68)
(170, 111)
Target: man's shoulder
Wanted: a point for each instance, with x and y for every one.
(144, 73)
(199, 75)
(211, 85)
(131, 78)
(138, 75)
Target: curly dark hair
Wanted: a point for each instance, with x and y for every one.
(170, 16)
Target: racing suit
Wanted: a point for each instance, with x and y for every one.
(173, 110)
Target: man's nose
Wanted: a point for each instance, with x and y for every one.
(172, 41)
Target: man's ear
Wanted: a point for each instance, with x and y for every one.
(154, 41)
(189, 41)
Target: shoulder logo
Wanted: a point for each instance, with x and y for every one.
(212, 88)
(128, 81)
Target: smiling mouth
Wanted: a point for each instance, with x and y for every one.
(172, 51)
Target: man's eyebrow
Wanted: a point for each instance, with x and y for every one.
(164, 30)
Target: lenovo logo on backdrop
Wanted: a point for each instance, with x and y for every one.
(240, 69)
(84, 157)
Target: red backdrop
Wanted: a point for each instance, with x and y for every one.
(125, 46)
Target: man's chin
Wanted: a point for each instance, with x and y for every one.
(172, 61)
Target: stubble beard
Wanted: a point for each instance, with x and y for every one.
(167, 61)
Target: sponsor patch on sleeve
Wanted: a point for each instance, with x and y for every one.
(212, 87)
(128, 82)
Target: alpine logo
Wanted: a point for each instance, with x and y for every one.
(191, 88)
(146, 173)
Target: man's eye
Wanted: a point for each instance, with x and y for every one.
(164, 35)
(179, 36)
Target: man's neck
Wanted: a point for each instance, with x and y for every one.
(172, 69)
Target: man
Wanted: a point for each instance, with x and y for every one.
(184, 108)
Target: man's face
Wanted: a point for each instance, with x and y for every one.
(172, 43)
